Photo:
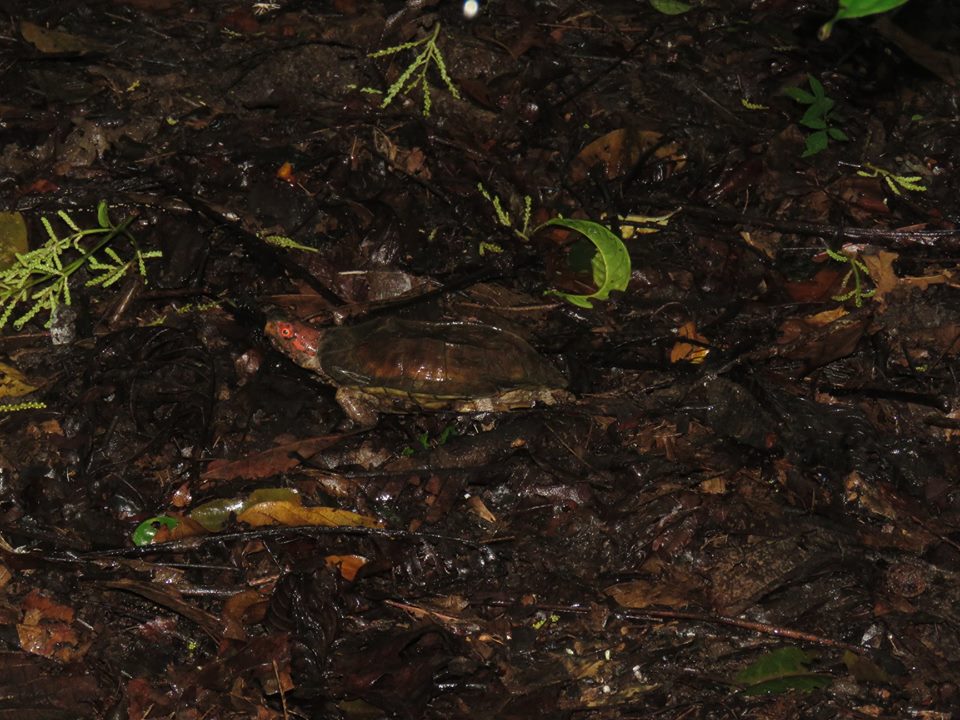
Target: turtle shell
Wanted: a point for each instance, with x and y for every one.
(432, 360)
(449, 360)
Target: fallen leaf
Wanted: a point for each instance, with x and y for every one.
(689, 352)
(39, 607)
(270, 462)
(246, 607)
(620, 150)
(292, 514)
(13, 383)
(55, 42)
(945, 277)
(882, 274)
(347, 565)
(478, 507)
(645, 593)
(13, 238)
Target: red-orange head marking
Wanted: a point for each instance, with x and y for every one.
(295, 339)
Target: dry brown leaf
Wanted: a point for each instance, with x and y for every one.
(478, 507)
(620, 150)
(347, 565)
(822, 319)
(40, 607)
(53, 640)
(645, 593)
(55, 42)
(247, 607)
(923, 282)
(270, 462)
(688, 352)
(821, 286)
(46, 629)
(882, 274)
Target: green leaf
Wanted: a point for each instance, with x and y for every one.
(824, 105)
(42, 276)
(800, 95)
(837, 134)
(774, 664)
(816, 142)
(103, 214)
(816, 86)
(813, 120)
(861, 8)
(670, 7)
(849, 9)
(780, 671)
(611, 265)
(148, 529)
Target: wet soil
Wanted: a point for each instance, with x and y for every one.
(749, 505)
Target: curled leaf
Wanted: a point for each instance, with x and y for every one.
(849, 9)
(611, 263)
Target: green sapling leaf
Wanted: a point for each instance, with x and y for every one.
(813, 120)
(816, 142)
(837, 134)
(799, 94)
(816, 86)
(611, 264)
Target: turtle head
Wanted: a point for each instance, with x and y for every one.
(297, 340)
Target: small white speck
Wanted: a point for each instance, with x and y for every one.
(470, 9)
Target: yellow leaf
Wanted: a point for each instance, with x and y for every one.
(13, 383)
(291, 514)
(822, 319)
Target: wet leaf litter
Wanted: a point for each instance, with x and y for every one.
(440, 359)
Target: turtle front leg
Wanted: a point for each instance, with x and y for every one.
(356, 404)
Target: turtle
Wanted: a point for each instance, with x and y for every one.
(395, 365)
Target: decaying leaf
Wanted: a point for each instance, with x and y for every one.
(55, 42)
(620, 150)
(13, 238)
(13, 383)
(688, 352)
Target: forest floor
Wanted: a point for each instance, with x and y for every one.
(745, 503)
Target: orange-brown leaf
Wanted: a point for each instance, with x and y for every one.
(290, 514)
